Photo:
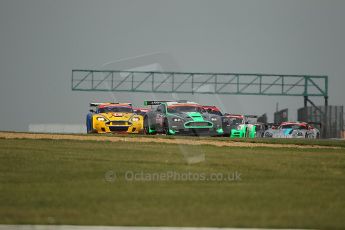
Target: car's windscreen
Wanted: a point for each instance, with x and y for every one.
(235, 121)
(116, 109)
(293, 126)
(181, 109)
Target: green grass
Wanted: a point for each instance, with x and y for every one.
(63, 182)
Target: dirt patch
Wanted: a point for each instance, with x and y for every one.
(14, 135)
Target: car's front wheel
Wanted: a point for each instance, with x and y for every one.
(147, 129)
(89, 124)
(166, 127)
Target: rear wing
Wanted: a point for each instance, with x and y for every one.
(160, 102)
(251, 116)
(211, 107)
(154, 102)
(95, 104)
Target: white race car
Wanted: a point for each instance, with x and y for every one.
(293, 130)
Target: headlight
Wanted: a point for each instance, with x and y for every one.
(135, 119)
(299, 134)
(100, 119)
(176, 119)
(214, 119)
(267, 134)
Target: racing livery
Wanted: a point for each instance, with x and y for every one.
(181, 117)
(293, 130)
(113, 117)
(239, 126)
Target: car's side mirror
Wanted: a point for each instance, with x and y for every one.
(92, 111)
(246, 122)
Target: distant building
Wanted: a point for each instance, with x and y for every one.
(334, 124)
(281, 116)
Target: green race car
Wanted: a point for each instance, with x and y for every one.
(181, 117)
(239, 126)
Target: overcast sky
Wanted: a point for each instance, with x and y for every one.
(41, 41)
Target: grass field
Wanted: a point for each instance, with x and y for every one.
(84, 183)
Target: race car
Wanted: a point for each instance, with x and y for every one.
(239, 126)
(260, 129)
(293, 130)
(181, 117)
(113, 117)
(212, 109)
(141, 111)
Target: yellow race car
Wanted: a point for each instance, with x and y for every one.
(113, 117)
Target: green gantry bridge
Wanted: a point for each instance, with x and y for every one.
(200, 83)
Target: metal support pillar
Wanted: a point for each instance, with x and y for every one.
(325, 119)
